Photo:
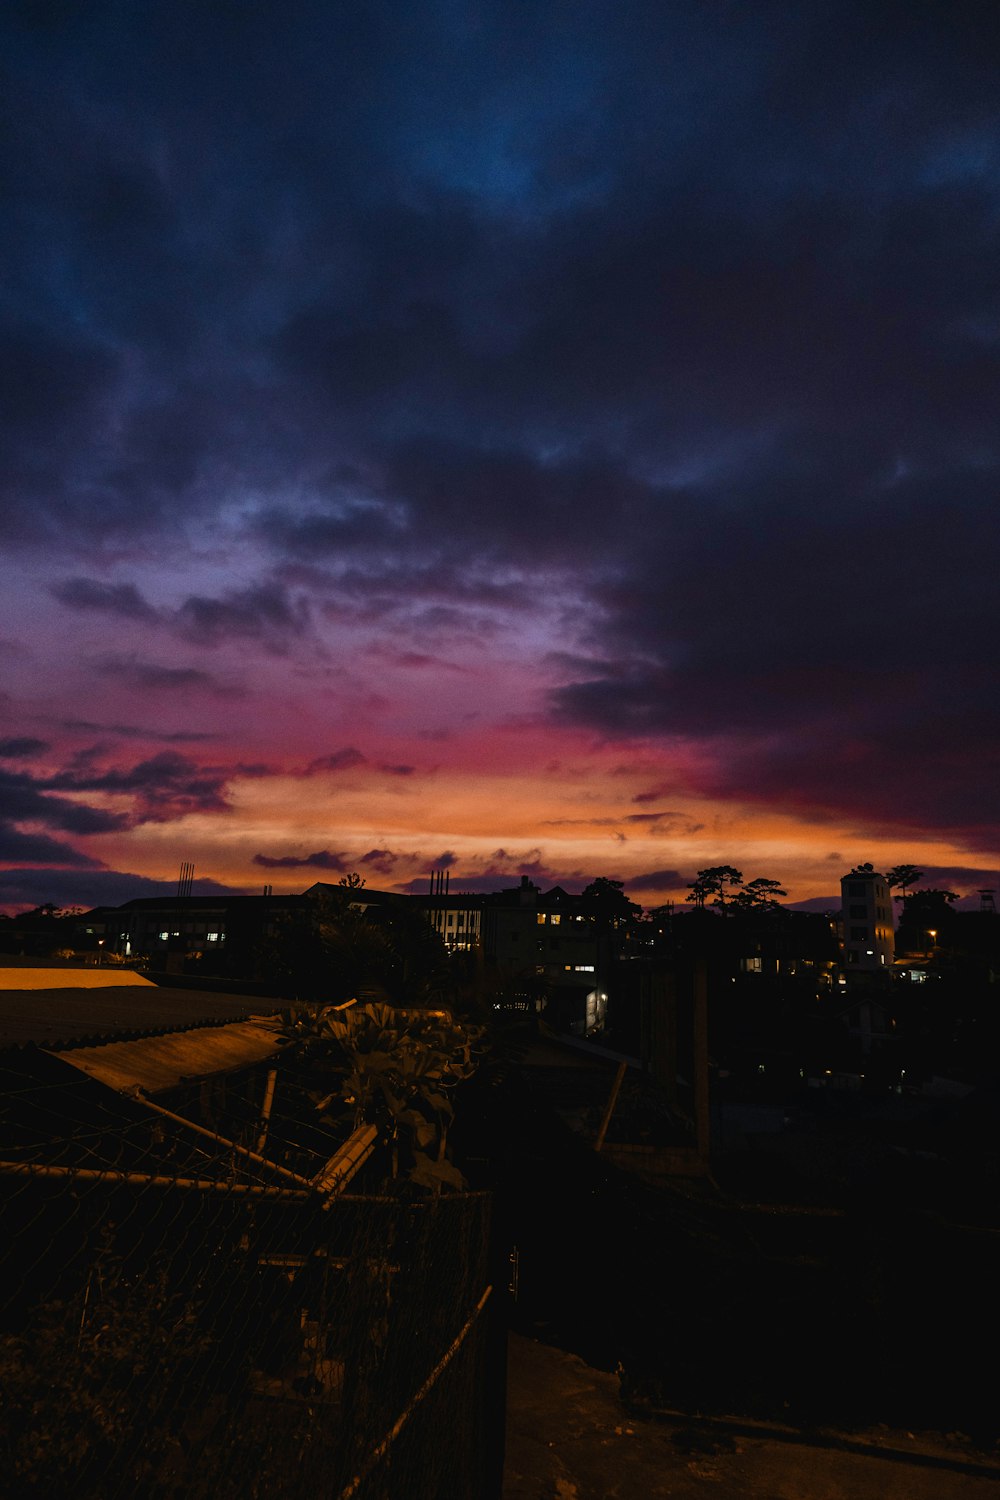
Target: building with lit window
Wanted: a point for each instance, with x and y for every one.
(866, 917)
(166, 932)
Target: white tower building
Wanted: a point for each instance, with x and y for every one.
(866, 902)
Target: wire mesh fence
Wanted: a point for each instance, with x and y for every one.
(182, 1315)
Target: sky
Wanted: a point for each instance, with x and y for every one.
(502, 438)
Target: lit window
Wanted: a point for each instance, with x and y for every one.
(584, 968)
(541, 919)
(211, 937)
(555, 919)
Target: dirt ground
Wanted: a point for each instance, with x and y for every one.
(570, 1438)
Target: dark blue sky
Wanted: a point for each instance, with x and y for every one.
(558, 437)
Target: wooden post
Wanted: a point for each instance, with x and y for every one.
(609, 1108)
(265, 1114)
(702, 1119)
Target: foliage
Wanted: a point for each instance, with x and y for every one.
(80, 1384)
(903, 876)
(719, 883)
(40, 931)
(924, 912)
(758, 895)
(393, 1067)
(714, 881)
(609, 893)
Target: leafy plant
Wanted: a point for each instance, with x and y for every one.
(393, 1067)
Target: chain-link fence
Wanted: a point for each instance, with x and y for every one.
(182, 1316)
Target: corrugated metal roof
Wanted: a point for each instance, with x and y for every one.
(93, 977)
(54, 1017)
(158, 1063)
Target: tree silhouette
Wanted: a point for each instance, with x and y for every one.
(759, 895)
(903, 876)
(713, 882)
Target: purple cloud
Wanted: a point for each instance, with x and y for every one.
(121, 599)
(338, 760)
(323, 859)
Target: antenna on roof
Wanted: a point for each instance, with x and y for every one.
(185, 878)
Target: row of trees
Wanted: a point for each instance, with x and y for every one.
(723, 886)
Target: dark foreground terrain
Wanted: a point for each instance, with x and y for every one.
(570, 1437)
(871, 1311)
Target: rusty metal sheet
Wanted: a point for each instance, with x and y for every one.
(157, 1063)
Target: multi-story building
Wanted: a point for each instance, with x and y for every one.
(167, 931)
(866, 917)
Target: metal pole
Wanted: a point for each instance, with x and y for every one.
(222, 1140)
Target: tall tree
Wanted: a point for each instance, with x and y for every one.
(713, 883)
(759, 895)
(926, 911)
(611, 891)
(904, 876)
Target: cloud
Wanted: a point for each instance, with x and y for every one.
(40, 849)
(662, 352)
(659, 880)
(154, 677)
(23, 748)
(135, 732)
(752, 637)
(338, 760)
(162, 788)
(121, 599)
(55, 388)
(25, 799)
(382, 860)
(73, 884)
(265, 612)
(323, 859)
